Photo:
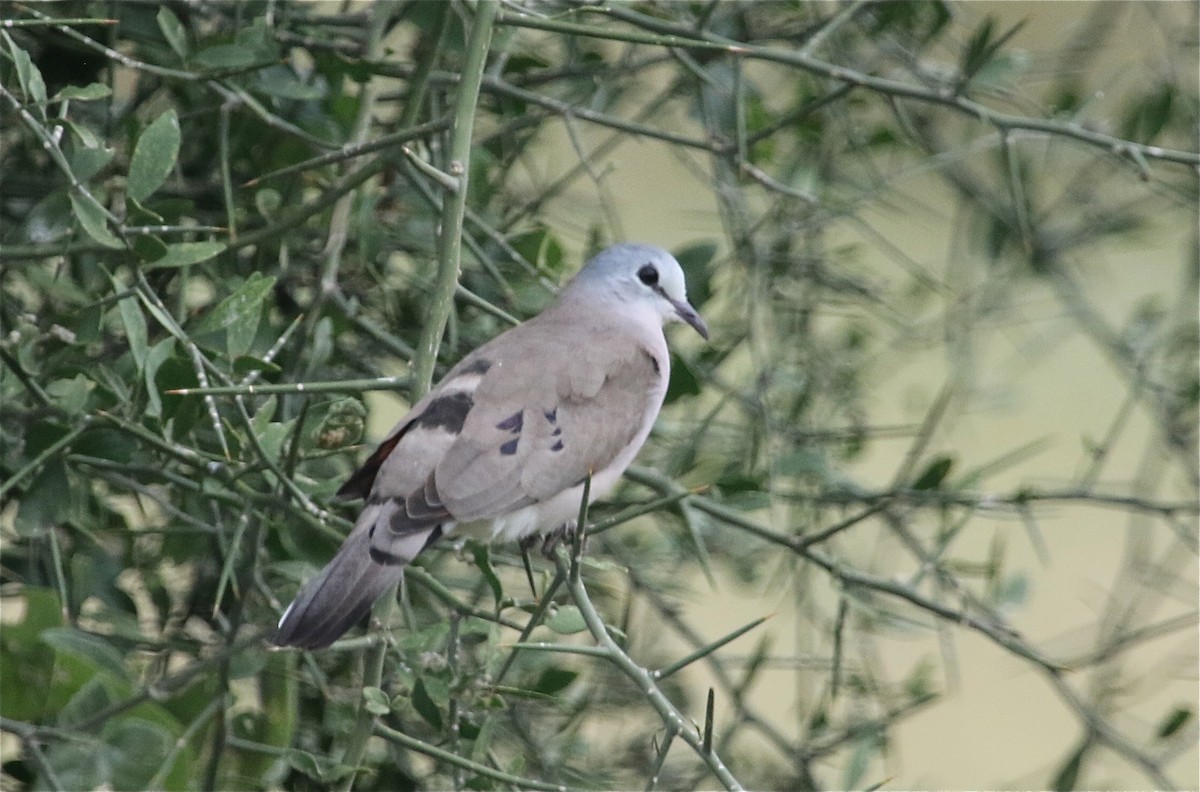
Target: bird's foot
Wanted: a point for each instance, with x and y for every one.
(567, 532)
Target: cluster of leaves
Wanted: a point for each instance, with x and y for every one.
(222, 196)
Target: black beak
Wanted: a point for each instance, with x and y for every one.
(688, 314)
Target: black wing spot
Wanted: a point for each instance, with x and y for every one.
(551, 415)
(512, 423)
(447, 412)
(509, 448)
(557, 446)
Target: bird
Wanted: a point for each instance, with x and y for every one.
(503, 446)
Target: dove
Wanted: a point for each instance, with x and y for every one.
(502, 447)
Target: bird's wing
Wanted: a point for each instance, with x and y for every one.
(540, 425)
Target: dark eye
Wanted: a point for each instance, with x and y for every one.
(648, 275)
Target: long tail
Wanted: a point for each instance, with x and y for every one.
(337, 598)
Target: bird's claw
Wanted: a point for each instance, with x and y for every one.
(567, 532)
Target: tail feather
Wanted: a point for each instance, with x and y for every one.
(336, 599)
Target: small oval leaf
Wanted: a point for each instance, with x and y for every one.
(376, 701)
(225, 56)
(83, 93)
(87, 162)
(173, 31)
(154, 156)
(934, 474)
(28, 76)
(424, 705)
(91, 218)
(135, 330)
(91, 649)
(1174, 721)
(181, 254)
(554, 680)
(567, 621)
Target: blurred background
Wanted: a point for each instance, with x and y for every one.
(944, 438)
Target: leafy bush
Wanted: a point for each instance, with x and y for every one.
(227, 227)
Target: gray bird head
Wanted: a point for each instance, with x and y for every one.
(639, 275)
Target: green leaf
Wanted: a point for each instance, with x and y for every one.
(934, 473)
(273, 438)
(129, 752)
(173, 31)
(135, 329)
(566, 621)
(105, 443)
(1149, 114)
(71, 395)
(696, 261)
(225, 56)
(244, 364)
(90, 696)
(239, 314)
(305, 762)
(154, 156)
(801, 462)
(29, 664)
(376, 701)
(469, 730)
(542, 249)
(43, 503)
(1067, 776)
(87, 162)
(137, 214)
(233, 308)
(483, 561)
(261, 420)
(91, 649)
(865, 749)
(85, 93)
(983, 49)
(281, 82)
(93, 221)
(147, 247)
(155, 357)
(683, 380)
(135, 750)
(554, 680)
(267, 201)
(176, 372)
(83, 134)
(28, 76)
(1174, 721)
(181, 254)
(1012, 591)
(50, 219)
(425, 706)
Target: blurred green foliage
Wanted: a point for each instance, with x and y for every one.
(236, 194)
